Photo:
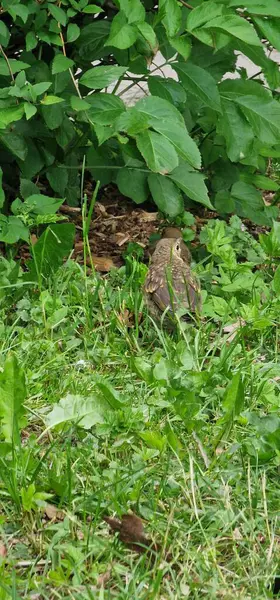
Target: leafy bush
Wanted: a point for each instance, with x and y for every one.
(61, 66)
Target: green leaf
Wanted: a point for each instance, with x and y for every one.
(92, 9)
(238, 133)
(172, 16)
(264, 117)
(15, 143)
(49, 100)
(2, 193)
(53, 115)
(168, 89)
(132, 122)
(30, 41)
(110, 394)
(269, 8)
(133, 184)
(236, 27)
(234, 397)
(4, 34)
(248, 201)
(13, 230)
(157, 151)
(42, 205)
(182, 44)
(58, 14)
(49, 251)
(200, 15)
(100, 77)
(12, 397)
(105, 108)
(276, 281)
(85, 412)
(270, 30)
(61, 63)
(73, 32)
(133, 10)
(260, 181)
(181, 140)
(153, 439)
(58, 179)
(27, 188)
(30, 110)
(192, 184)
(15, 66)
(122, 35)
(166, 195)
(10, 115)
(198, 82)
(148, 34)
(79, 104)
(158, 110)
(19, 10)
(92, 40)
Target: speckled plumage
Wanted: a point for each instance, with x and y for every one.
(170, 282)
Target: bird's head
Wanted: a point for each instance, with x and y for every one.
(169, 249)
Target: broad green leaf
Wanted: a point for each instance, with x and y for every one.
(105, 108)
(27, 188)
(270, 30)
(30, 110)
(61, 63)
(92, 40)
(19, 10)
(14, 65)
(49, 100)
(15, 143)
(133, 184)
(157, 151)
(268, 8)
(92, 9)
(58, 179)
(172, 16)
(238, 133)
(10, 115)
(48, 253)
(33, 162)
(122, 35)
(133, 10)
(182, 45)
(236, 27)
(236, 88)
(2, 193)
(42, 205)
(100, 77)
(57, 317)
(260, 181)
(85, 412)
(234, 397)
(148, 33)
(202, 14)
(198, 82)
(166, 195)
(30, 41)
(154, 439)
(168, 89)
(58, 14)
(4, 34)
(110, 394)
(258, 56)
(73, 32)
(53, 115)
(13, 230)
(79, 104)
(276, 281)
(248, 201)
(192, 184)
(158, 110)
(181, 140)
(132, 122)
(12, 397)
(264, 117)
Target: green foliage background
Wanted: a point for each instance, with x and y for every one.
(199, 139)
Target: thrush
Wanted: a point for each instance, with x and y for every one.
(170, 284)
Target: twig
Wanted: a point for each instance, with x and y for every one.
(186, 4)
(7, 61)
(70, 70)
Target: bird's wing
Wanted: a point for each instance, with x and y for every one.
(174, 288)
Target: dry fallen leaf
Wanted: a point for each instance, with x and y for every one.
(54, 513)
(103, 579)
(3, 550)
(233, 329)
(101, 263)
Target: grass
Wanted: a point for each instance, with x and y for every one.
(181, 429)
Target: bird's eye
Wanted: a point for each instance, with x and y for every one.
(178, 247)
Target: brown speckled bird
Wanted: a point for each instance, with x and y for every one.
(170, 283)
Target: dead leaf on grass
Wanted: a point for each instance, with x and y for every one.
(3, 550)
(103, 579)
(101, 263)
(54, 513)
(233, 329)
